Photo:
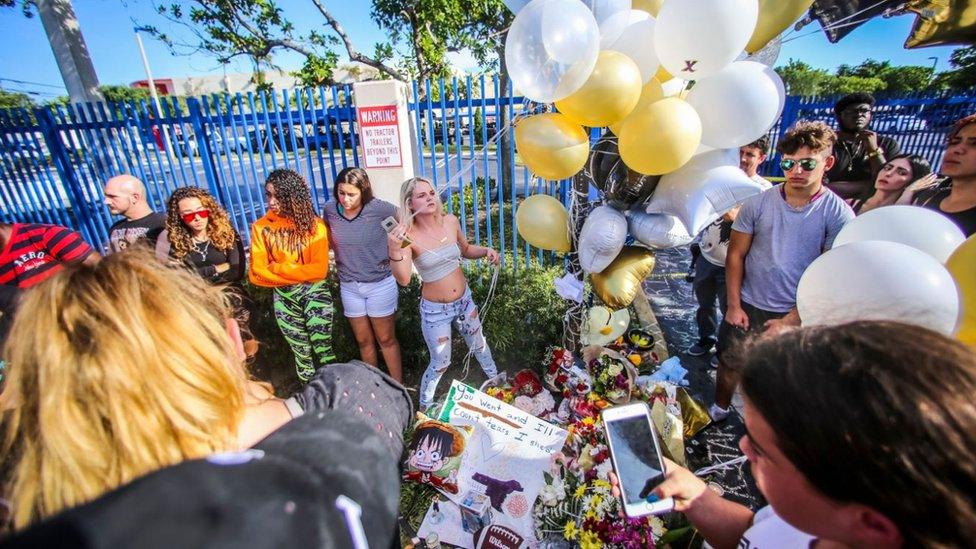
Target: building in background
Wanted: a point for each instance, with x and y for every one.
(346, 73)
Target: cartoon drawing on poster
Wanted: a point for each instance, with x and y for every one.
(507, 454)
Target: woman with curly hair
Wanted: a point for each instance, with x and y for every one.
(200, 236)
(290, 253)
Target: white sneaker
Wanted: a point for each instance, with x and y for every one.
(718, 414)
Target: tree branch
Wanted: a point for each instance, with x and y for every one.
(351, 50)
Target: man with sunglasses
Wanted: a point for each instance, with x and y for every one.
(125, 195)
(859, 152)
(776, 235)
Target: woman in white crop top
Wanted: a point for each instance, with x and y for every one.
(434, 242)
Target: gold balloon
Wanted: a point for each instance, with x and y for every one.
(551, 145)
(543, 222)
(774, 17)
(662, 75)
(962, 265)
(619, 283)
(651, 92)
(942, 22)
(650, 6)
(661, 137)
(608, 95)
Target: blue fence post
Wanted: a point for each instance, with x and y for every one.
(203, 145)
(83, 214)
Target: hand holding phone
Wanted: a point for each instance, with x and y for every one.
(637, 459)
(395, 232)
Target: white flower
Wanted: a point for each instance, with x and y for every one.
(603, 470)
(616, 368)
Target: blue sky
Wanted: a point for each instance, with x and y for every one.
(107, 26)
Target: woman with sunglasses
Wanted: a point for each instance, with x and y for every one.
(199, 235)
(290, 253)
(897, 182)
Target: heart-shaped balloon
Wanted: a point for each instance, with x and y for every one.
(618, 284)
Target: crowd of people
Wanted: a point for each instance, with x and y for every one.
(130, 371)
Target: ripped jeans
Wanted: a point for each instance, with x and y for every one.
(436, 320)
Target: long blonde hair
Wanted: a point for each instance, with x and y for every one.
(115, 370)
(406, 193)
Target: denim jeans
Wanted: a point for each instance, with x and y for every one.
(436, 320)
(709, 284)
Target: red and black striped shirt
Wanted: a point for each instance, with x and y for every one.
(35, 252)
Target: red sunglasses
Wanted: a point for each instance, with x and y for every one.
(189, 217)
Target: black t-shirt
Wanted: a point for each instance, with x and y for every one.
(123, 234)
(966, 219)
(204, 258)
(851, 162)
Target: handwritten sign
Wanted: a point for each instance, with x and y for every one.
(505, 458)
(380, 136)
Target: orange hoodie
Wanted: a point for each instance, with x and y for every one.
(274, 263)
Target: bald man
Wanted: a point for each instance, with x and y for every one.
(125, 195)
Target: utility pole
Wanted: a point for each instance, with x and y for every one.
(70, 51)
(167, 142)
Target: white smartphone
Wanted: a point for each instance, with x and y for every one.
(389, 224)
(637, 460)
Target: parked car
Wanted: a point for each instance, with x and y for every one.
(898, 123)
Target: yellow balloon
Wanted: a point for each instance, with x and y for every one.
(651, 92)
(543, 222)
(661, 137)
(608, 95)
(774, 17)
(551, 145)
(962, 265)
(942, 22)
(650, 6)
(618, 284)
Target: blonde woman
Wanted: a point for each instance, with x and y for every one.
(126, 367)
(436, 246)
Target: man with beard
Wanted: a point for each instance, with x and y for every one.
(859, 152)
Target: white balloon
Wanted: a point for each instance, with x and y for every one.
(738, 104)
(601, 238)
(515, 5)
(876, 280)
(921, 228)
(703, 189)
(605, 9)
(657, 230)
(631, 33)
(697, 38)
(551, 49)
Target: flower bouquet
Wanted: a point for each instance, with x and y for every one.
(612, 376)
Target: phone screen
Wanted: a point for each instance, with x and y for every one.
(636, 458)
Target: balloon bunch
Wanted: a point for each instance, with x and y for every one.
(898, 263)
(667, 165)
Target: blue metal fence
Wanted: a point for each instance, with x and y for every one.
(54, 162)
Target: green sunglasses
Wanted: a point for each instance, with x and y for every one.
(807, 164)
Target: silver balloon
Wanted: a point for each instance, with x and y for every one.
(769, 54)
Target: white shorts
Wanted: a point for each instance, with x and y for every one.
(375, 299)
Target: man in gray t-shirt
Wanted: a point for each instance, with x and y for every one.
(775, 237)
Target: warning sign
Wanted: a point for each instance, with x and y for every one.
(380, 136)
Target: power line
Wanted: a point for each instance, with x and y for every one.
(31, 83)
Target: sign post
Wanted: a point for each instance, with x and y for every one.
(385, 136)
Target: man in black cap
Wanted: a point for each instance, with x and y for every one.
(859, 153)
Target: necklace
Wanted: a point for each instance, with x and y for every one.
(203, 253)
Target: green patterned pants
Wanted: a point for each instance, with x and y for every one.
(304, 314)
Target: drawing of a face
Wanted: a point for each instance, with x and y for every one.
(431, 452)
